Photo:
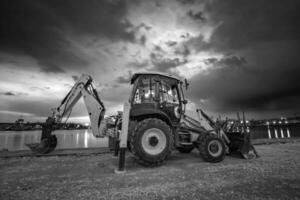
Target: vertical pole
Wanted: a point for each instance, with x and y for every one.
(288, 132)
(244, 121)
(276, 135)
(269, 132)
(123, 138)
(121, 167)
(281, 133)
(116, 147)
(239, 122)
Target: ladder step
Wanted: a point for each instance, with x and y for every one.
(186, 143)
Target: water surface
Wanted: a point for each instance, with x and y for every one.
(66, 139)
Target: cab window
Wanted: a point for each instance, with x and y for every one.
(145, 91)
(168, 93)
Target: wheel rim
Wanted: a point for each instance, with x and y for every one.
(154, 141)
(215, 148)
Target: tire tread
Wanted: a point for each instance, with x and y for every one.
(136, 149)
(203, 148)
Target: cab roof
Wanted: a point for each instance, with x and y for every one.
(136, 75)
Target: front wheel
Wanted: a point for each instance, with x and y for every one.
(151, 141)
(212, 148)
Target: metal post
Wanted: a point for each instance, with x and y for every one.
(121, 167)
(281, 133)
(269, 132)
(276, 135)
(116, 148)
(123, 138)
(288, 132)
(244, 122)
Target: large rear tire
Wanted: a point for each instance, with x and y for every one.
(151, 142)
(212, 148)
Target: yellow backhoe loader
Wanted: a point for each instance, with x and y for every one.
(152, 124)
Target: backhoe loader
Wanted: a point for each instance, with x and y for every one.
(152, 124)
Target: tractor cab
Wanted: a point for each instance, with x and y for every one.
(157, 95)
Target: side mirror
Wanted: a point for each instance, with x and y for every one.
(186, 84)
(185, 102)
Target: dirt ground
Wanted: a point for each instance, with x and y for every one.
(275, 175)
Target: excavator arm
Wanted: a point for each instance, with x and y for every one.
(82, 88)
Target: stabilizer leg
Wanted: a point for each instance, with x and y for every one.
(123, 139)
(116, 148)
(121, 167)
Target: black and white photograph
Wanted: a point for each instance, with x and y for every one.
(149, 99)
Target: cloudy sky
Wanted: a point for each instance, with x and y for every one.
(238, 55)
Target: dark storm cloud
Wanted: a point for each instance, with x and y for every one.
(187, 1)
(8, 93)
(183, 50)
(143, 40)
(143, 25)
(162, 64)
(75, 78)
(197, 43)
(171, 43)
(106, 18)
(139, 64)
(232, 84)
(196, 15)
(158, 49)
(40, 29)
(115, 94)
(11, 93)
(125, 79)
(260, 72)
(210, 61)
(233, 61)
(253, 22)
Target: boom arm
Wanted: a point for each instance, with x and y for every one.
(83, 87)
(215, 126)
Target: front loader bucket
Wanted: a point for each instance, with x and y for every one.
(241, 143)
(48, 141)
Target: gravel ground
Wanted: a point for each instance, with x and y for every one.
(275, 175)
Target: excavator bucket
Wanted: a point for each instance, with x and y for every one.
(240, 142)
(48, 141)
(46, 145)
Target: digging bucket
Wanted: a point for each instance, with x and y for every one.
(48, 141)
